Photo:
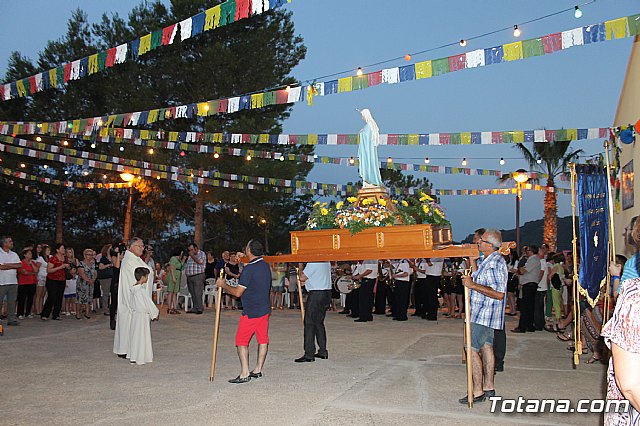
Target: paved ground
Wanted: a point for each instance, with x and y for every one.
(379, 373)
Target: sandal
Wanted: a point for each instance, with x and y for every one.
(563, 337)
(573, 348)
(593, 360)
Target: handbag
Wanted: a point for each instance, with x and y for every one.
(555, 282)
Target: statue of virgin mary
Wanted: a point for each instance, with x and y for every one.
(369, 168)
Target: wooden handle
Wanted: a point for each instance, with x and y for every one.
(467, 345)
(300, 300)
(216, 329)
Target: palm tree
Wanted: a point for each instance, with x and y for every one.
(551, 159)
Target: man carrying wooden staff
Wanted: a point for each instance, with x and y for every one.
(487, 285)
(253, 286)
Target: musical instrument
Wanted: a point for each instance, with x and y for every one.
(345, 285)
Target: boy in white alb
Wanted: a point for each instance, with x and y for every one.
(143, 310)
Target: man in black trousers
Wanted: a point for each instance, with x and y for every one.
(367, 273)
(316, 278)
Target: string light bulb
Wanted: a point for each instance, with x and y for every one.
(85, 173)
(502, 161)
(407, 57)
(38, 139)
(65, 143)
(182, 153)
(281, 157)
(288, 89)
(46, 166)
(516, 31)
(464, 161)
(216, 155)
(359, 72)
(463, 42)
(122, 149)
(539, 160)
(23, 165)
(352, 161)
(578, 12)
(389, 160)
(235, 210)
(248, 157)
(104, 176)
(93, 145)
(151, 151)
(426, 160)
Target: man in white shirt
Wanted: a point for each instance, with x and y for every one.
(316, 278)
(367, 273)
(9, 265)
(433, 272)
(401, 273)
(543, 286)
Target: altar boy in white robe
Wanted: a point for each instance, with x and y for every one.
(143, 310)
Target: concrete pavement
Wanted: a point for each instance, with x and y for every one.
(379, 373)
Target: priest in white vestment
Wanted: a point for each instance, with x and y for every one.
(130, 262)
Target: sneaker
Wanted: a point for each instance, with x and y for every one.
(67, 314)
(21, 317)
(30, 316)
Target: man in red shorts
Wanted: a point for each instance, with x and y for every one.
(253, 287)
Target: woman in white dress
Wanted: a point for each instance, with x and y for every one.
(143, 310)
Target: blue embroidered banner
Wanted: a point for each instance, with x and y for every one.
(594, 230)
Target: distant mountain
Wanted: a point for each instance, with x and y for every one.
(531, 233)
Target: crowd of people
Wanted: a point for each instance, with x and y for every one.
(537, 285)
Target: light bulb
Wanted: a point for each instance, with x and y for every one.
(65, 143)
(235, 210)
(93, 145)
(248, 157)
(464, 161)
(578, 12)
(85, 173)
(38, 139)
(122, 149)
(463, 42)
(23, 165)
(352, 161)
(516, 31)
(288, 89)
(389, 160)
(216, 155)
(182, 153)
(46, 166)
(104, 176)
(539, 161)
(407, 57)
(426, 160)
(158, 177)
(359, 72)
(502, 161)
(151, 151)
(281, 157)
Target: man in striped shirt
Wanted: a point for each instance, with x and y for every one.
(487, 285)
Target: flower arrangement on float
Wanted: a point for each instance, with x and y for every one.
(356, 217)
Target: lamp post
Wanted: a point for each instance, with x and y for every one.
(263, 222)
(521, 177)
(128, 177)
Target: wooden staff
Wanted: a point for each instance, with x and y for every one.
(612, 239)
(216, 328)
(467, 341)
(300, 293)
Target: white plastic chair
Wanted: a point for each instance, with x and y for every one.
(209, 290)
(184, 293)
